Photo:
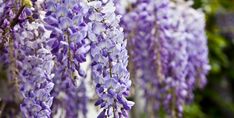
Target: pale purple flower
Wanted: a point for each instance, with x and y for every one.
(69, 43)
(109, 60)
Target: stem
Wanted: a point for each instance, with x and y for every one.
(2, 46)
(157, 51)
(110, 66)
(69, 50)
(131, 67)
(114, 110)
(69, 54)
(12, 61)
(159, 74)
(16, 20)
(2, 108)
(174, 110)
(13, 69)
(12, 24)
(131, 47)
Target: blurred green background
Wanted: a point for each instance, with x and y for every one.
(216, 100)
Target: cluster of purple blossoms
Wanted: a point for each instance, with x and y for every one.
(109, 60)
(175, 86)
(11, 13)
(147, 41)
(26, 55)
(66, 21)
(141, 44)
(166, 42)
(162, 34)
(36, 71)
(65, 18)
(74, 26)
(198, 63)
(192, 67)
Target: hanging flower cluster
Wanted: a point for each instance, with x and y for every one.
(164, 42)
(143, 47)
(28, 58)
(35, 72)
(44, 44)
(109, 60)
(65, 20)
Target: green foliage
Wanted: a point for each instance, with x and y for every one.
(193, 111)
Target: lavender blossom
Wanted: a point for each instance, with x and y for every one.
(191, 63)
(8, 20)
(160, 34)
(175, 86)
(109, 60)
(148, 42)
(198, 63)
(65, 20)
(28, 59)
(35, 72)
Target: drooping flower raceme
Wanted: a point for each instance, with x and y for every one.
(175, 86)
(148, 39)
(36, 72)
(160, 34)
(65, 20)
(191, 62)
(141, 44)
(27, 58)
(109, 60)
(198, 65)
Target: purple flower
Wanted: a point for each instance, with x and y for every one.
(69, 43)
(109, 59)
(28, 60)
(68, 37)
(34, 69)
(35, 72)
(163, 54)
(145, 25)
